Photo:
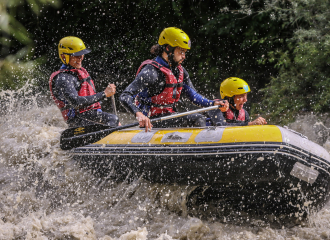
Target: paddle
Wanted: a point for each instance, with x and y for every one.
(80, 136)
(113, 104)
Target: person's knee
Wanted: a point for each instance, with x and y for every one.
(116, 120)
(216, 117)
(113, 121)
(199, 120)
(108, 119)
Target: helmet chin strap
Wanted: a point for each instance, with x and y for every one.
(231, 102)
(66, 58)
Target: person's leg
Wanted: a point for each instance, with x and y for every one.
(217, 118)
(195, 120)
(99, 117)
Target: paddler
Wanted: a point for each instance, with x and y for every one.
(160, 82)
(73, 90)
(234, 90)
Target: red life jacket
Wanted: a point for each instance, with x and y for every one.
(231, 116)
(164, 101)
(87, 88)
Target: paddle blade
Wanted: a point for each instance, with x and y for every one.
(75, 131)
(67, 143)
(77, 137)
(80, 136)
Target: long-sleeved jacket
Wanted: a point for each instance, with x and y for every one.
(151, 81)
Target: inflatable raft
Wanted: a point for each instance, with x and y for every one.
(268, 168)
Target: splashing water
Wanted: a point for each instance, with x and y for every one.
(45, 195)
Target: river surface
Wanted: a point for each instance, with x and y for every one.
(44, 195)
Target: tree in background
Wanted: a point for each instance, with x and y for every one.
(233, 39)
(17, 58)
(303, 82)
(225, 41)
(277, 46)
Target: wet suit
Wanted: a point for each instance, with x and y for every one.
(65, 87)
(149, 82)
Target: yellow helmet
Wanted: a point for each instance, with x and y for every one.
(72, 46)
(175, 37)
(233, 86)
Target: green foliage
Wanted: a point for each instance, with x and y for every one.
(303, 82)
(17, 46)
(121, 33)
(278, 46)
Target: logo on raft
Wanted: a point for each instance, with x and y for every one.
(79, 130)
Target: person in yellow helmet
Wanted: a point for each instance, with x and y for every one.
(73, 90)
(235, 91)
(160, 82)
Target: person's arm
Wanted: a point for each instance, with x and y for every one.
(147, 78)
(195, 97)
(258, 121)
(190, 92)
(66, 85)
(247, 117)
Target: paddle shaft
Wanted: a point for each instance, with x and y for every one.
(67, 143)
(114, 110)
(113, 105)
(184, 114)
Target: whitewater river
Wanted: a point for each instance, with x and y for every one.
(44, 195)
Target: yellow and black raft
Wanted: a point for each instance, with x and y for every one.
(268, 168)
(271, 164)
